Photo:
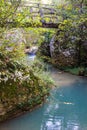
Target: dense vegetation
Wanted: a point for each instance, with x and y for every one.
(22, 86)
(70, 41)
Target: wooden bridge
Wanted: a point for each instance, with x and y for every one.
(46, 14)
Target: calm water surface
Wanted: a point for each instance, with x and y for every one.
(66, 108)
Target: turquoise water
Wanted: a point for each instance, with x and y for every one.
(66, 108)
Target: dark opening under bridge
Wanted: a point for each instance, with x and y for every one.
(45, 14)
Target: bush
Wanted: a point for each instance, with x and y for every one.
(20, 84)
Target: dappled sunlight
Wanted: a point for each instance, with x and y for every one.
(53, 1)
(43, 65)
(47, 1)
(65, 109)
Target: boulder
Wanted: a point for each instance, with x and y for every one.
(31, 50)
(61, 57)
(15, 36)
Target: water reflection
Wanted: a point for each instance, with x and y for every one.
(67, 111)
(66, 108)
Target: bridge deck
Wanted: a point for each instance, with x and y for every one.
(45, 13)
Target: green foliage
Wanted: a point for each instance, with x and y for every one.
(38, 36)
(44, 48)
(12, 16)
(7, 11)
(71, 36)
(11, 45)
(34, 36)
(77, 71)
(40, 68)
(13, 74)
(21, 86)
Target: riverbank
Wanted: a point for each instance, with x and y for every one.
(77, 71)
(62, 78)
(16, 112)
(65, 108)
(22, 87)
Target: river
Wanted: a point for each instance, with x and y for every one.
(65, 109)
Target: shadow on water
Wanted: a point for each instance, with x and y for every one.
(66, 108)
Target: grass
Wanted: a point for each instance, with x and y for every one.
(75, 70)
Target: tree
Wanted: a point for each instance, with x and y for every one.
(7, 10)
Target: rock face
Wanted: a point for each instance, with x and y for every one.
(31, 50)
(15, 36)
(52, 45)
(15, 42)
(61, 57)
(62, 61)
(44, 50)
